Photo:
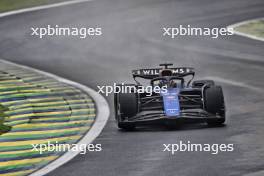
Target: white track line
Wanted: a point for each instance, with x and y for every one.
(31, 9)
(235, 83)
(103, 111)
(102, 115)
(244, 34)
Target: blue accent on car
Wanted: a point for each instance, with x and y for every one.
(171, 102)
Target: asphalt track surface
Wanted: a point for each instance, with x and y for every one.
(132, 38)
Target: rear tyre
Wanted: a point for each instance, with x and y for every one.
(201, 83)
(214, 104)
(126, 106)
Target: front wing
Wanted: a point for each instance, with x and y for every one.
(188, 116)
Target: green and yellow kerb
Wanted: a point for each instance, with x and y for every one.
(36, 109)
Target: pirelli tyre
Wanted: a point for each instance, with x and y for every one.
(201, 83)
(214, 104)
(126, 106)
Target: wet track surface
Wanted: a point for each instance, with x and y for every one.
(132, 38)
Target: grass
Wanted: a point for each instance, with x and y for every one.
(254, 28)
(3, 128)
(7, 5)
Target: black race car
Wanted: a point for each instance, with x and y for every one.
(177, 101)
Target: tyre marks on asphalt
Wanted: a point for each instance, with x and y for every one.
(235, 83)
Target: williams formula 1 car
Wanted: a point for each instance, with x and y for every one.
(181, 99)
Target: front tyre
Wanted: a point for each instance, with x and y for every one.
(214, 104)
(126, 106)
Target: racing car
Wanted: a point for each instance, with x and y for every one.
(181, 101)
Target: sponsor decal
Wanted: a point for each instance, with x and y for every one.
(156, 71)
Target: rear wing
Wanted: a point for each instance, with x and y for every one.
(154, 73)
